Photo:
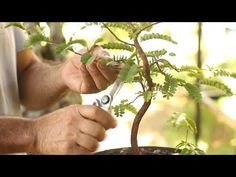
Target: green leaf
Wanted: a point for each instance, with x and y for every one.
(147, 96)
(172, 54)
(118, 46)
(194, 92)
(36, 39)
(104, 62)
(121, 25)
(128, 72)
(217, 84)
(157, 36)
(83, 27)
(78, 41)
(16, 24)
(119, 110)
(187, 151)
(131, 108)
(199, 151)
(191, 125)
(156, 53)
(87, 58)
(181, 144)
(60, 48)
(98, 40)
(170, 85)
(178, 119)
(221, 72)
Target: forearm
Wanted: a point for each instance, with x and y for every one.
(41, 85)
(16, 135)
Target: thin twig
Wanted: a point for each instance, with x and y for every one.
(116, 35)
(163, 60)
(158, 66)
(147, 27)
(135, 99)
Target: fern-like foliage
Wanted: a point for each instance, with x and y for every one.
(146, 37)
(221, 72)
(169, 87)
(128, 72)
(189, 68)
(119, 58)
(147, 95)
(36, 39)
(186, 148)
(118, 46)
(119, 109)
(194, 92)
(156, 53)
(16, 24)
(120, 25)
(65, 46)
(180, 120)
(217, 84)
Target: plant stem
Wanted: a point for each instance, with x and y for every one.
(135, 127)
(186, 137)
(155, 23)
(146, 67)
(198, 105)
(116, 35)
(145, 106)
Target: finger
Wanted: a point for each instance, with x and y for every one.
(87, 85)
(100, 52)
(97, 114)
(80, 150)
(100, 81)
(107, 72)
(86, 141)
(92, 128)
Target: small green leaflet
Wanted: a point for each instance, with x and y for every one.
(180, 120)
(194, 92)
(128, 72)
(172, 54)
(36, 39)
(88, 58)
(98, 40)
(66, 46)
(16, 24)
(147, 95)
(119, 109)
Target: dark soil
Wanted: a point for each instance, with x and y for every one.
(146, 150)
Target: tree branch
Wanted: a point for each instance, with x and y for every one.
(116, 35)
(147, 27)
(146, 104)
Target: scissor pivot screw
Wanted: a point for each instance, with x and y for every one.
(105, 99)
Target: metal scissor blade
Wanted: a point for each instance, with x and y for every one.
(116, 88)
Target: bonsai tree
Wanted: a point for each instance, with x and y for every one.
(143, 68)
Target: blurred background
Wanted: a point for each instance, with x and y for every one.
(201, 44)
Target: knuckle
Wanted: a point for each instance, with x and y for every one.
(67, 147)
(95, 110)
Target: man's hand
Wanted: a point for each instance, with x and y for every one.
(75, 129)
(90, 78)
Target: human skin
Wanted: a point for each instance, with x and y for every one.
(75, 129)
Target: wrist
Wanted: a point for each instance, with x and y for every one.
(31, 134)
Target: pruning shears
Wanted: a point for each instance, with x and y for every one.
(105, 101)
